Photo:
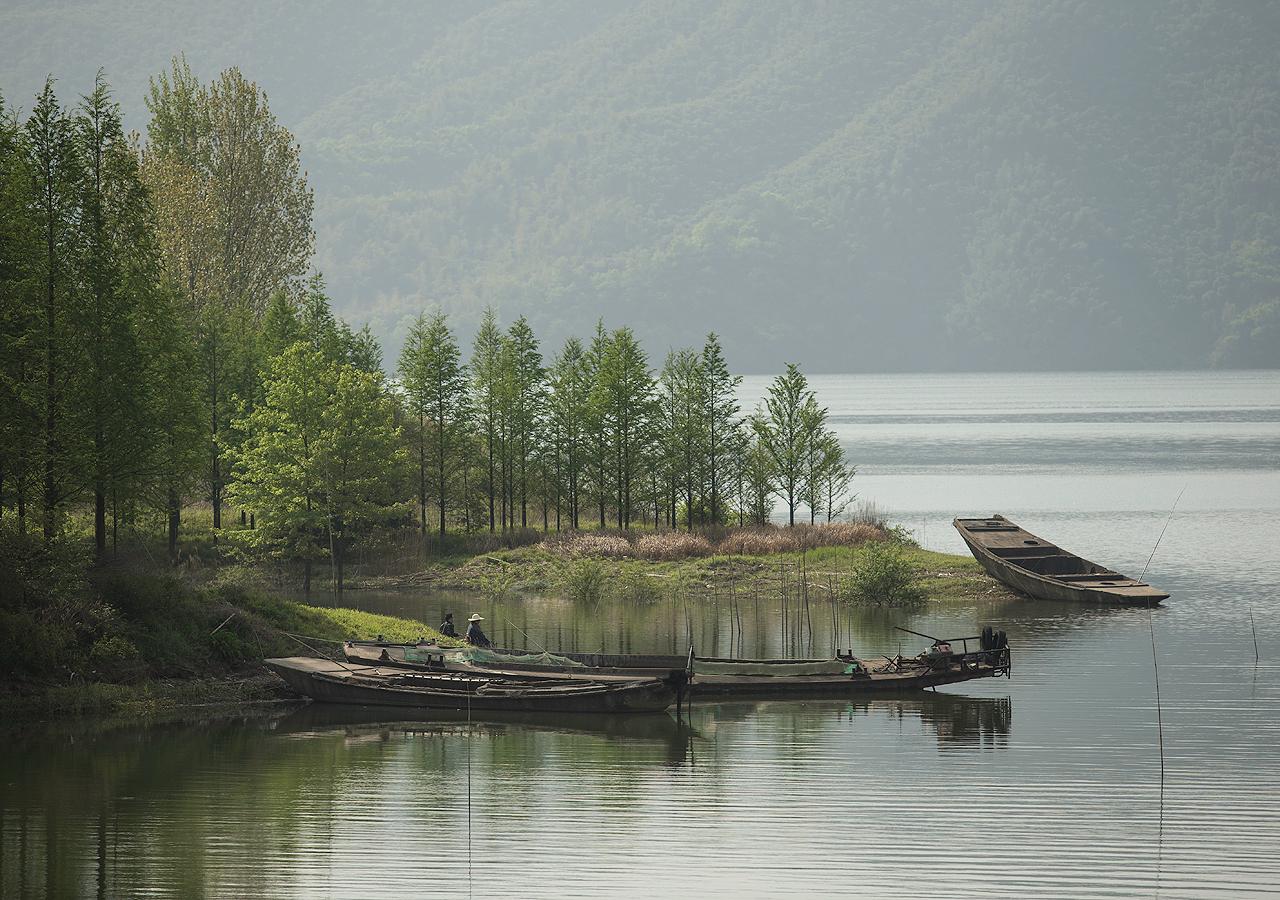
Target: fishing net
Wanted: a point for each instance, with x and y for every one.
(482, 657)
(764, 667)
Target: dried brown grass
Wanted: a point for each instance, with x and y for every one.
(665, 546)
(669, 545)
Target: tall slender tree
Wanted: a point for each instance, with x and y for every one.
(720, 420)
(56, 173)
(567, 408)
(785, 433)
(486, 387)
(118, 275)
(527, 398)
(19, 318)
(435, 384)
(627, 391)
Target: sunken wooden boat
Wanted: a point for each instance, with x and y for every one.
(1037, 568)
(336, 682)
(708, 677)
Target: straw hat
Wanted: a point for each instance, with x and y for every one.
(476, 617)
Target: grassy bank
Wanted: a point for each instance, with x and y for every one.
(146, 643)
(133, 640)
(542, 568)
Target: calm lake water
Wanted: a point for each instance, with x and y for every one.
(1045, 784)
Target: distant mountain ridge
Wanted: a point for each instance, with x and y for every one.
(855, 185)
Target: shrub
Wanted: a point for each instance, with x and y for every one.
(497, 586)
(669, 545)
(116, 659)
(231, 647)
(584, 581)
(883, 576)
(631, 586)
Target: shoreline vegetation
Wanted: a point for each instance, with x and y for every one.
(161, 644)
(187, 431)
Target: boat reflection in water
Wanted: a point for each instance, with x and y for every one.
(955, 721)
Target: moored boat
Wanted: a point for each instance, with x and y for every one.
(1040, 569)
(335, 682)
(715, 677)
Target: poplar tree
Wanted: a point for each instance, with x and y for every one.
(435, 384)
(235, 213)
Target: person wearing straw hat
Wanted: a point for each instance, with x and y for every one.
(475, 636)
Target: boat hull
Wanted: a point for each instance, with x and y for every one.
(330, 682)
(1007, 553)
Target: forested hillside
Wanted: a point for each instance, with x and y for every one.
(852, 185)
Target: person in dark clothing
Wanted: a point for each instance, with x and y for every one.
(446, 627)
(475, 636)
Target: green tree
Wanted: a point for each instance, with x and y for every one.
(435, 384)
(567, 408)
(785, 433)
(759, 474)
(235, 222)
(19, 318)
(56, 173)
(684, 433)
(596, 422)
(486, 386)
(320, 460)
(118, 275)
(627, 401)
(360, 461)
(527, 379)
(720, 421)
(836, 476)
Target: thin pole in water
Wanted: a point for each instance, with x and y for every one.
(1254, 627)
(470, 738)
(1155, 665)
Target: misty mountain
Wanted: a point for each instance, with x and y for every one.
(851, 185)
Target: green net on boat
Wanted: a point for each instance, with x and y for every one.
(770, 667)
(482, 657)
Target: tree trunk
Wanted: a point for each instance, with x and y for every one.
(99, 517)
(175, 516)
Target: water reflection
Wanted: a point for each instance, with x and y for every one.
(111, 810)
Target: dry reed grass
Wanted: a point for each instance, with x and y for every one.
(764, 541)
(670, 545)
(665, 546)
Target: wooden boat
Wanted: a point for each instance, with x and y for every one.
(1037, 568)
(717, 677)
(518, 664)
(336, 682)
